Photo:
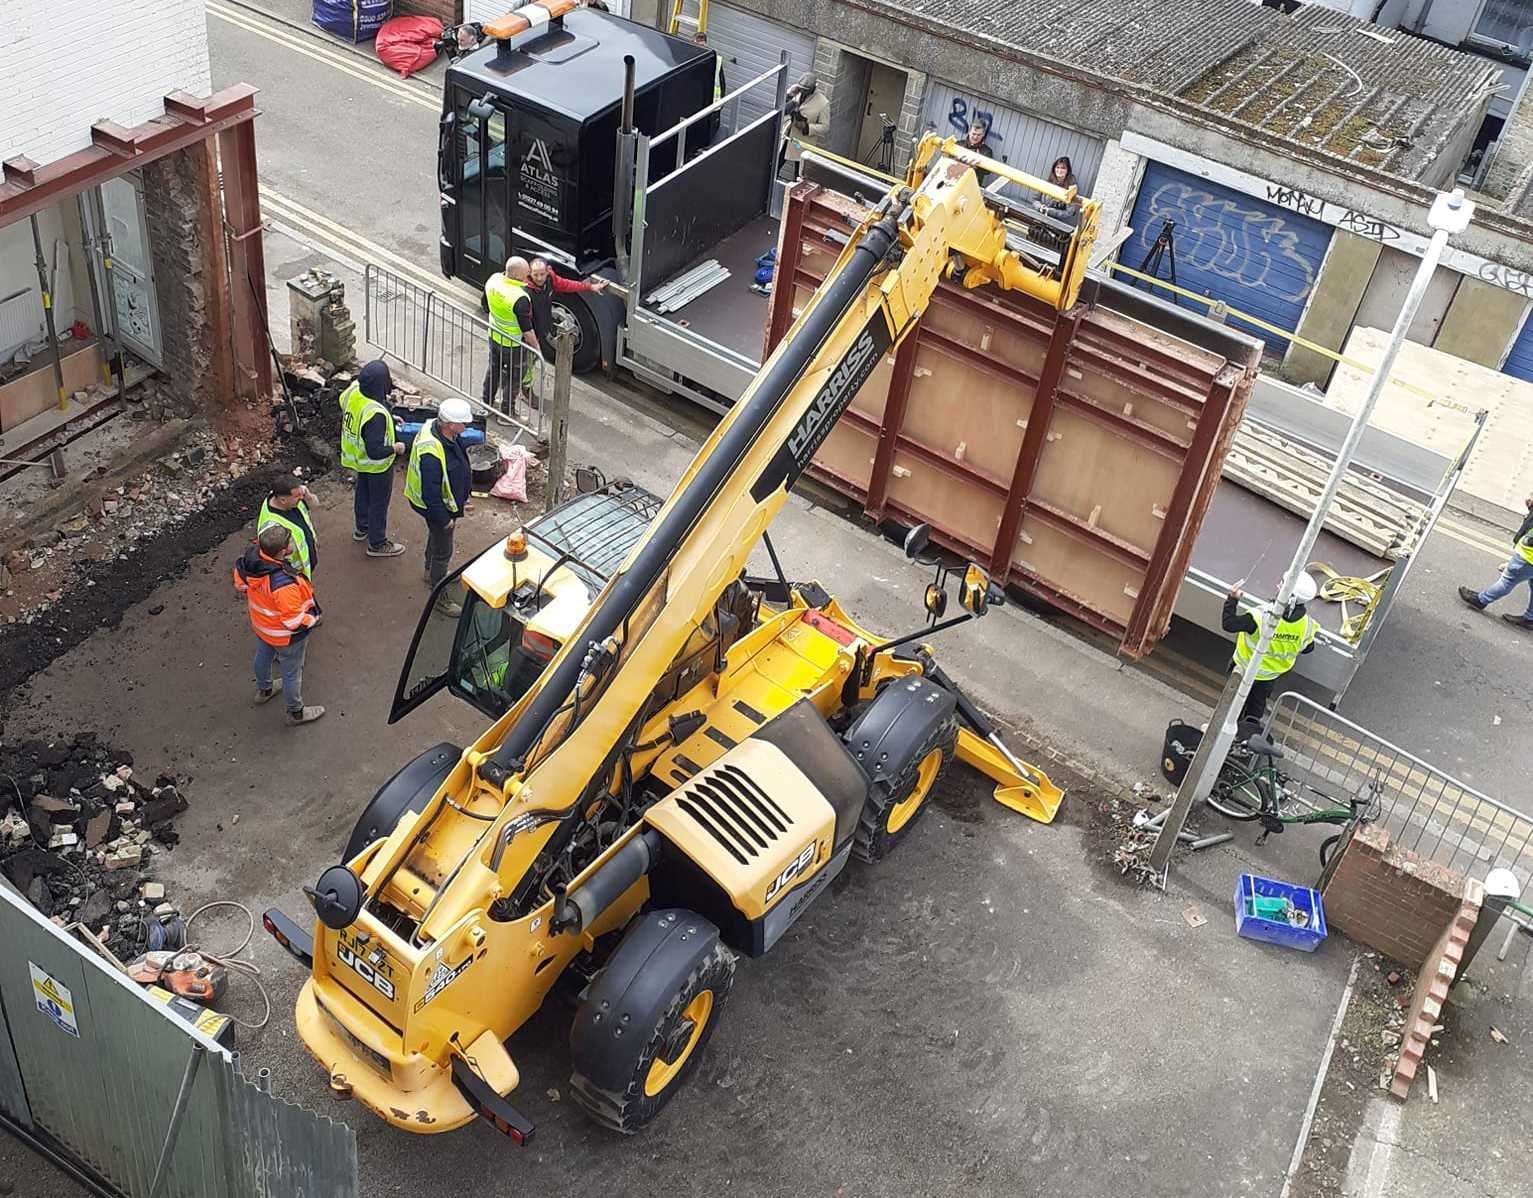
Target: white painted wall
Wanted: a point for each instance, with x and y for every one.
(1116, 184)
(69, 63)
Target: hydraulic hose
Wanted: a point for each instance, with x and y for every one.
(773, 388)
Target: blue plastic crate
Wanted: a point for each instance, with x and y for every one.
(1279, 931)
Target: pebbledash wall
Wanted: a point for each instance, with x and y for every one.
(69, 63)
(115, 61)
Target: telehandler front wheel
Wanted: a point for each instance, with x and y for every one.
(644, 1022)
(903, 741)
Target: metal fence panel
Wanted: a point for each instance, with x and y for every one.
(102, 1066)
(446, 342)
(1425, 810)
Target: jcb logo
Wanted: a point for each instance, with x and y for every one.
(795, 867)
(373, 977)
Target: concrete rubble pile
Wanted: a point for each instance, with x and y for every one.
(79, 835)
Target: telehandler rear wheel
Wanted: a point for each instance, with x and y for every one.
(683, 990)
(896, 802)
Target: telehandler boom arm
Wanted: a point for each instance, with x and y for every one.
(938, 225)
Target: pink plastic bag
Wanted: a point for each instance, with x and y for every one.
(512, 484)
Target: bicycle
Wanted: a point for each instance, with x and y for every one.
(1250, 787)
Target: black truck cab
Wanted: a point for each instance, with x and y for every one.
(526, 160)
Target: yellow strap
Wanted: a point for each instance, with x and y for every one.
(1430, 396)
(1345, 589)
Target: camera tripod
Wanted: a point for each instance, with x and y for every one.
(881, 156)
(1164, 250)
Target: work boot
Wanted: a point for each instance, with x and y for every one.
(358, 534)
(1471, 597)
(266, 696)
(1520, 621)
(447, 607)
(387, 549)
(307, 716)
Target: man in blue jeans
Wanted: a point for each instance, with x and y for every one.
(1518, 568)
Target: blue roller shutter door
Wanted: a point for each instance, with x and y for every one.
(1252, 255)
(1519, 363)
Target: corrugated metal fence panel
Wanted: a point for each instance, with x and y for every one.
(1230, 246)
(279, 1149)
(1016, 138)
(1519, 360)
(13, 1092)
(750, 45)
(103, 1069)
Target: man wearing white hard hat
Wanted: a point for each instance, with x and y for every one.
(1295, 634)
(436, 484)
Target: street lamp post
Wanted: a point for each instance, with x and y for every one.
(1449, 214)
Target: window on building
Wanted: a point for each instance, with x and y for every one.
(1506, 23)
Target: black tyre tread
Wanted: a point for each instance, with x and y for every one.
(1242, 814)
(631, 1110)
(872, 841)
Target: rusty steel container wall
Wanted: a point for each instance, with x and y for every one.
(1074, 454)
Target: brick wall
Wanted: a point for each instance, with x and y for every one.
(115, 61)
(1438, 971)
(1386, 897)
(191, 293)
(449, 12)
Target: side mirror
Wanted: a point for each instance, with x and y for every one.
(916, 540)
(935, 600)
(975, 593)
(588, 480)
(483, 108)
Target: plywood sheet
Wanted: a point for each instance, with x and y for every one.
(951, 503)
(1104, 480)
(848, 454)
(1501, 469)
(1077, 568)
(34, 392)
(965, 413)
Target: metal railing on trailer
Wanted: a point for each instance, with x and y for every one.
(449, 344)
(653, 345)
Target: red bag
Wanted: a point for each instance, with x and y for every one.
(406, 43)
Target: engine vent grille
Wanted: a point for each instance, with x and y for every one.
(731, 807)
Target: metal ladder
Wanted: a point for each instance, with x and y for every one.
(680, 18)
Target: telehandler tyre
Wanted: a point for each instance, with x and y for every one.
(903, 741)
(644, 1022)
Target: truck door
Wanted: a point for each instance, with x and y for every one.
(472, 176)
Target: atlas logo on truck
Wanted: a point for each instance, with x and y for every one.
(539, 185)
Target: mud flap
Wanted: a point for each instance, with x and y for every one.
(902, 716)
(625, 1002)
(408, 790)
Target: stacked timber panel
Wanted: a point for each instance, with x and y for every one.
(1072, 453)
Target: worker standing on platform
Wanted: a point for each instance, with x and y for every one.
(511, 331)
(368, 449)
(288, 505)
(1295, 634)
(282, 613)
(808, 113)
(1518, 568)
(437, 483)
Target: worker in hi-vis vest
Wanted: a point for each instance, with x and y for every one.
(1294, 634)
(288, 505)
(710, 126)
(511, 335)
(437, 482)
(1518, 568)
(368, 450)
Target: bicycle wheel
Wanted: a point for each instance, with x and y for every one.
(1237, 795)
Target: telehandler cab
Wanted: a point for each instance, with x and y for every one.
(687, 755)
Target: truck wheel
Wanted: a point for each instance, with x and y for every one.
(587, 336)
(673, 1048)
(894, 804)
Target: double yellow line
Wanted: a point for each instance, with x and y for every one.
(317, 48)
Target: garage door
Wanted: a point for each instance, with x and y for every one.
(750, 45)
(1020, 140)
(1230, 246)
(1519, 362)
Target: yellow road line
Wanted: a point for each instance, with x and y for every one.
(315, 49)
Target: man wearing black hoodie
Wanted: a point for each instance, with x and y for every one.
(368, 449)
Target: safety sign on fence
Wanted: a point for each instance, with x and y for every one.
(54, 1000)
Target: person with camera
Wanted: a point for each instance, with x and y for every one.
(808, 121)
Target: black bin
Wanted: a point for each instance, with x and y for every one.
(1181, 743)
